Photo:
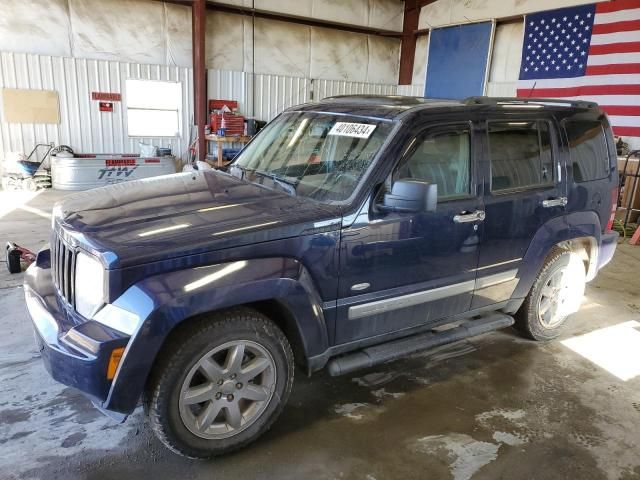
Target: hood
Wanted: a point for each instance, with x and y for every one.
(183, 214)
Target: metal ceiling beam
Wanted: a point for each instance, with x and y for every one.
(284, 17)
(313, 22)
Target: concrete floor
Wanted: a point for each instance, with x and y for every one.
(494, 407)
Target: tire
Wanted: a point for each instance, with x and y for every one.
(560, 282)
(199, 363)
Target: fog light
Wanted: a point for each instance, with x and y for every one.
(114, 361)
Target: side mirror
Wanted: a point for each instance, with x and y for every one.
(410, 196)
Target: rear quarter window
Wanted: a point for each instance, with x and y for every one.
(588, 150)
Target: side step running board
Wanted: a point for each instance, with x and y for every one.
(385, 352)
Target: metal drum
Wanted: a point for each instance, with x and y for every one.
(83, 171)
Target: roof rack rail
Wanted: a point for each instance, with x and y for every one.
(528, 101)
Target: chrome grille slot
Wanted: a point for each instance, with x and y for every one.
(63, 260)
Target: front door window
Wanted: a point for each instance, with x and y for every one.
(444, 159)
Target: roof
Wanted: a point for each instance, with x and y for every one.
(393, 106)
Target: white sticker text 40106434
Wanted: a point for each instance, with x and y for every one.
(358, 130)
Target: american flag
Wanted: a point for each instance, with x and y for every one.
(589, 52)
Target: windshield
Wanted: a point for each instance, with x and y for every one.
(315, 155)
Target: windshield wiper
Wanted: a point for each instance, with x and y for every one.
(288, 185)
(242, 169)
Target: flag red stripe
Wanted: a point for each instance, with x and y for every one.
(613, 69)
(622, 110)
(588, 90)
(616, 6)
(626, 131)
(614, 27)
(629, 47)
(624, 21)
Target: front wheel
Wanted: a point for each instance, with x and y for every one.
(556, 293)
(220, 385)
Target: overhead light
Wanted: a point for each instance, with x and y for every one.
(148, 233)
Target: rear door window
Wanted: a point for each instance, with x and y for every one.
(588, 150)
(521, 155)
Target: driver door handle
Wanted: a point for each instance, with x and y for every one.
(466, 217)
(555, 202)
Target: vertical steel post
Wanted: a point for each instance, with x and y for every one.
(198, 17)
(408, 46)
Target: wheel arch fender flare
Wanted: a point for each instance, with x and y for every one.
(556, 232)
(168, 300)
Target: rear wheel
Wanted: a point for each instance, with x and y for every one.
(556, 293)
(220, 385)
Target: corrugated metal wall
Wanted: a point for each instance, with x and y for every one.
(329, 88)
(275, 93)
(411, 90)
(82, 125)
(86, 129)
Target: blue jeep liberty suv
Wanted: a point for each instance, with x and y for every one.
(341, 237)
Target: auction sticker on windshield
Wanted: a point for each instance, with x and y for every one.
(358, 130)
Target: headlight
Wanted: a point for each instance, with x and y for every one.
(90, 285)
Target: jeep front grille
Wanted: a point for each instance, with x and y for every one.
(63, 268)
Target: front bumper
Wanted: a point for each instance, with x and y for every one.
(75, 351)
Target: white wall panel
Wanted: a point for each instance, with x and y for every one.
(384, 60)
(280, 48)
(82, 126)
(505, 61)
(384, 14)
(178, 35)
(120, 30)
(152, 32)
(507, 51)
(224, 41)
(447, 12)
(354, 12)
(502, 89)
(338, 55)
(35, 26)
(420, 59)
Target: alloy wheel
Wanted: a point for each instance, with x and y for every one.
(553, 297)
(227, 389)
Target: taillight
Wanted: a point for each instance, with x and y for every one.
(614, 207)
